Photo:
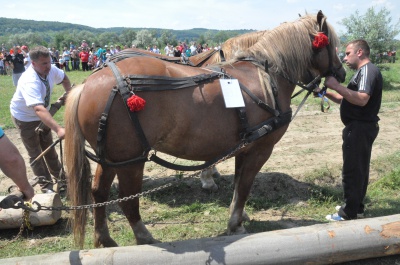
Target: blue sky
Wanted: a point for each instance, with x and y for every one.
(171, 14)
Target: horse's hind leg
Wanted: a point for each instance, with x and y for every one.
(130, 183)
(100, 191)
(207, 178)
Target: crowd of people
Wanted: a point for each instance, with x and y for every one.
(84, 57)
(181, 50)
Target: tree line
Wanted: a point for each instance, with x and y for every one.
(59, 35)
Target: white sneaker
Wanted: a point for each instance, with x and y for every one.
(334, 217)
(359, 215)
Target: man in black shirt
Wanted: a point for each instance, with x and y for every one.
(359, 103)
(17, 63)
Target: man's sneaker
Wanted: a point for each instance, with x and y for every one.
(334, 217)
(359, 215)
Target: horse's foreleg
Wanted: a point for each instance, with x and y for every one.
(130, 183)
(246, 168)
(100, 191)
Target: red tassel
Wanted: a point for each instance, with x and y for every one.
(320, 41)
(135, 103)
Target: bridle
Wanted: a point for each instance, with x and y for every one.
(331, 71)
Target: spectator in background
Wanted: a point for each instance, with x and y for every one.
(108, 53)
(92, 63)
(193, 48)
(84, 44)
(16, 60)
(71, 46)
(112, 50)
(177, 51)
(117, 49)
(61, 62)
(2, 66)
(84, 56)
(75, 58)
(156, 50)
(67, 57)
(101, 55)
(199, 48)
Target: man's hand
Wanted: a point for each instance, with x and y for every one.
(331, 82)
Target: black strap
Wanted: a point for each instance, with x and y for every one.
(101, 133)
(161, 83)
(243, 121)
(125, 94)
(259, 102)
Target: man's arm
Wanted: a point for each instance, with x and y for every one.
(49, 121)
(66, 84)
(354, 97)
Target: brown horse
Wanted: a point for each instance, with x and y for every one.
(190, 123)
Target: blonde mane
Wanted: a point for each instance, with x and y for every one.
(233, 45)
(288, 47)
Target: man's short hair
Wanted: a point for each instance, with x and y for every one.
(361, 44)
(39, 51)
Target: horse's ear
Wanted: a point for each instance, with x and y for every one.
(323, 27)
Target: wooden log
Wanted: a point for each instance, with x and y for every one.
(12, 218)
(328, 243)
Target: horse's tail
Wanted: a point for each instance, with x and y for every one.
(77, 165)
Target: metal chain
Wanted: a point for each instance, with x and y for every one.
(138, 195)
(25, 223)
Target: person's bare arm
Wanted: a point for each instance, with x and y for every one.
(354, 97)
(49, 121)
(12, 164)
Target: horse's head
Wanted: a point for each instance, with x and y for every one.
(325, 60)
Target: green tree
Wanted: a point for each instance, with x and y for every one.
(143, 39)
(374, 27)
(128, 36)
(167, 37)
(108, 38)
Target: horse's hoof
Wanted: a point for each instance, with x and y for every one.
(240, 230)
(107, 243)
(147, 241)
(212, 188)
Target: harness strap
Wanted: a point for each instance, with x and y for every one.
(101, 135)
(243, 121)
(259, 102)
(125, 94)
(268, 126)
(160, 83)
(102, 131)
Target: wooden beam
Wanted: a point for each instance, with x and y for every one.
(327, 243)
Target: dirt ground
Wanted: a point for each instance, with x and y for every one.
(312, 141)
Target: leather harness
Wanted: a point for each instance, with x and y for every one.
(126, 86)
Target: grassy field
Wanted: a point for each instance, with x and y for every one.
(174, 215)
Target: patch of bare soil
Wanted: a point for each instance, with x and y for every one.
(312, 141)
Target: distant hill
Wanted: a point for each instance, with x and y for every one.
(10, 26)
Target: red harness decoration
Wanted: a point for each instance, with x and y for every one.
(320, 41)
(135, 103)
